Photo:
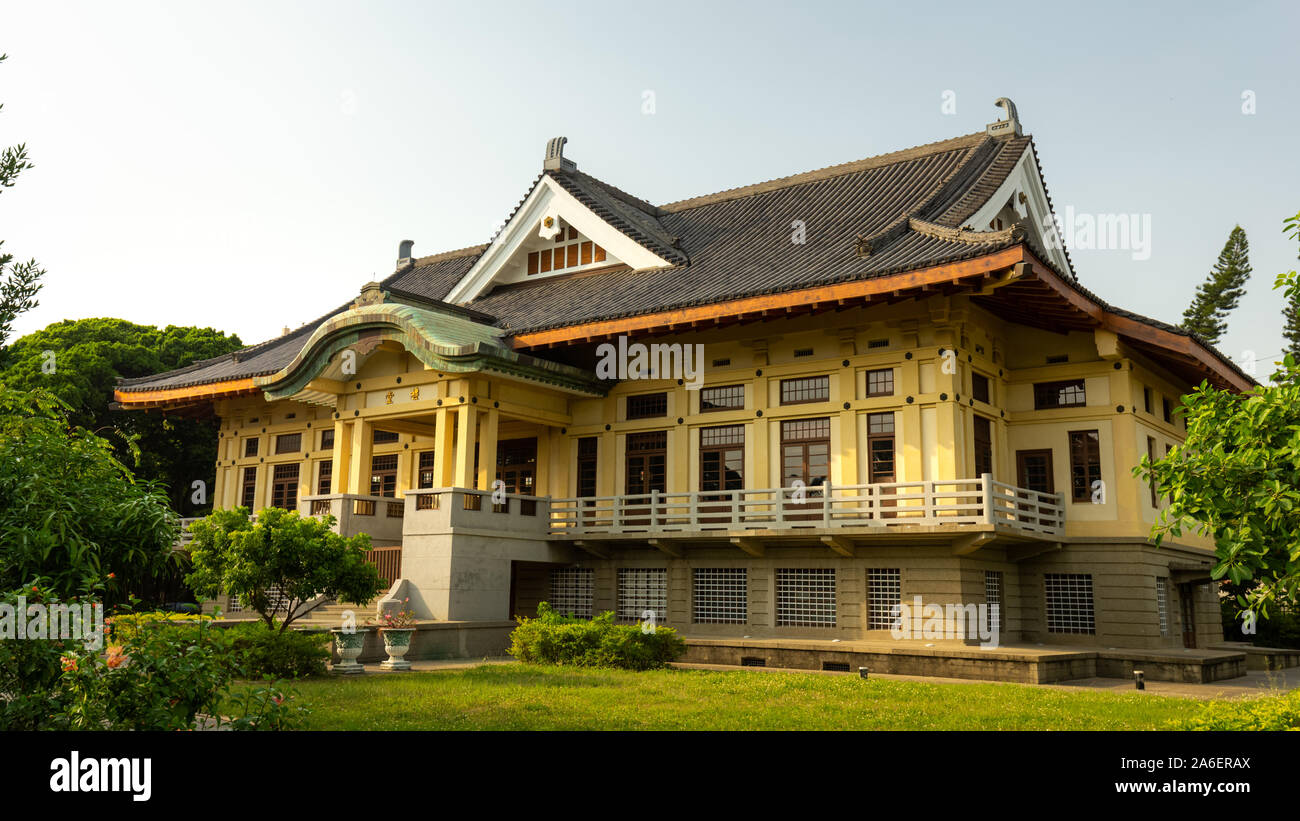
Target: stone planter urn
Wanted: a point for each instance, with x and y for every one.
(397, 640)
(349, 644)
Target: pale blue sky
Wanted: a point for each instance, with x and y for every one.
(191, 153)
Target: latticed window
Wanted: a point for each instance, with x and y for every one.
(720, 595)
(722, 397)
(979, 388)
(880, 383)
(1162, 604)
(425, 468)
(383, 475)
(647, 406)
(884, 597)
(805, 451)
(288, 443)
(383, 437)
(1067, 394)
(571, 591)
(1069, 603)
(805, 597)
(722, 458)
(284, 487)
(880, 448)
(993, 601)
(983, 441)
(587, 450)
(641, 589)
(647, 459)
(250, 446)
(805, 389)
(327, 439)
(324, 475)
(248, 495)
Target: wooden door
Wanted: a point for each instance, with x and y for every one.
(1034, 472)
(1187, 606)
(647, 462)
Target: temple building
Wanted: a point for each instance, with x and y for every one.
(768, 417)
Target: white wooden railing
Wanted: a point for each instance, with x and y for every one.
(981, 501)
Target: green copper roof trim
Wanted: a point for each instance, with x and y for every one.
(441, 340)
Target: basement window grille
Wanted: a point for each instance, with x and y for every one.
(1069, 603)
(720, 595)
(752, 661)
(993, 601)
(805, 597)
(835, 666)
(884, 597)
(641, 589)
(571, 591)
(1162, 604)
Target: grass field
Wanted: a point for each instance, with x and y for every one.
(525, 697)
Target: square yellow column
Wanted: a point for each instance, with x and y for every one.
(487, 448)
(363, 437)
(444, 448)
(463, 477)
(341, 460)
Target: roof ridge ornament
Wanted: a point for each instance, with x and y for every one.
(1011, 125)
(372, 293)
(555, 160)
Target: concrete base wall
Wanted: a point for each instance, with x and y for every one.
(1024, 668)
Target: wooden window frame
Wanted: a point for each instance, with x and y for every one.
(792, 386)
(984, 395)
(248, 488)
(804, 442)
(1089, 438)
(884, 391)
(647, 405)
(883, 436)
(383, 474)
(1077, 387)
(324, 476)
(283, 440)
(588, 464)
(252, 445)
(721, 450)
(723, 391)
(284, 490)
(977, 440)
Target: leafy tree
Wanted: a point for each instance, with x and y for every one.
(296, 557)
(1291, 308)
(70, 511)
(81, 360)
(18, 283)
(1218, 295)
(1236, 478)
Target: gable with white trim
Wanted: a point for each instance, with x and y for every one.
(1022, 197)
(551, 226)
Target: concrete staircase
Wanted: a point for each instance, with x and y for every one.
(330, 614)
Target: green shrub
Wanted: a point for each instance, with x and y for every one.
(258, 651)
(1265, 713)
(552, 638)
(127, 625)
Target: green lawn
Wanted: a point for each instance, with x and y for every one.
(527, 697)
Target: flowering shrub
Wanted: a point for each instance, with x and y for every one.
(403, 619)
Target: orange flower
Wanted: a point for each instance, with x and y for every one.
(112, 575)
(69, 664)
(115, 657)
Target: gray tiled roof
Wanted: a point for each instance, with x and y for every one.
(726, 245)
